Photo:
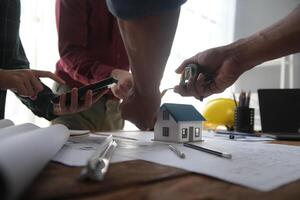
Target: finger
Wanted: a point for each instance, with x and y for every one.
(62, 103)
(219, 84)
(29, 91)
(181, 90)
(114, 91)
(190, 86)
(21, 90)
(33, 97)
(36, 84)
(74, 100)
(115, 74)
(122, 94)
(39, 73)
(200, 86)
(119, 92)
(124, 88)
(56, 109)
(88, 99)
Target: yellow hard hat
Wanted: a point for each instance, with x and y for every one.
(219, 112)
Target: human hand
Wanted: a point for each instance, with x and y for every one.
(62, 108)
(25, 82)
(220, 63)
(141, 110)
(125, 83)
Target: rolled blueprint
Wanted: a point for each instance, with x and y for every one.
(24, 154)
(5, 123)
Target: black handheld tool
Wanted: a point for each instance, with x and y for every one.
(95, 87)
(194, 70)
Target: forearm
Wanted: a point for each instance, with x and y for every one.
(278, 40)
(148, 42)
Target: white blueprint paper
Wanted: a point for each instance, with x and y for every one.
(77, 150)
(256, 165)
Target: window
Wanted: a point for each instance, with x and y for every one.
(197, 132)
(165, 114)
(217, 19)
(39, 37)
(165, 131)
(184, 133)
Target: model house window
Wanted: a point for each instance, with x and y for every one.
(184, 133)
(165, 115)
(197, 132)
(165, 131)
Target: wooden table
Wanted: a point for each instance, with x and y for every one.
(144, 180)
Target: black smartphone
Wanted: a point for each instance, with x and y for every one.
(95, 87)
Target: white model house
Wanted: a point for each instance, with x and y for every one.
(178, 123)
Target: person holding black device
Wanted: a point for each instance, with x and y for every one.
(91, 49)
(226, 63)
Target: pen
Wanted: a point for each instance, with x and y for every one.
(176, 151)
(234, 99)
(216, 153)
(224, 132)
(116, 136)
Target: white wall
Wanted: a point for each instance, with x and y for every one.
(252, 16)
(255, 15)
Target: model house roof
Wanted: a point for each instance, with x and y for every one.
(183, 112)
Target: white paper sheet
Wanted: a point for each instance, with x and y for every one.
(256, 165)
(23, 155)
(137, 135)
(79, 149)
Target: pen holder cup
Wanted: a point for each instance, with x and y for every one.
(244, 119)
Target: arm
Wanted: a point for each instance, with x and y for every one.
(227, 63)
(25, 82)
(73, 17)
(148, 43)
(35, 95)
(148, 33)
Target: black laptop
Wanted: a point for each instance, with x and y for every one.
(280, 113)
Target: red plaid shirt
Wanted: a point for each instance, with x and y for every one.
(90, 44)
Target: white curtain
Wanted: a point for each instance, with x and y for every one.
(39, 37)
(202, 24)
